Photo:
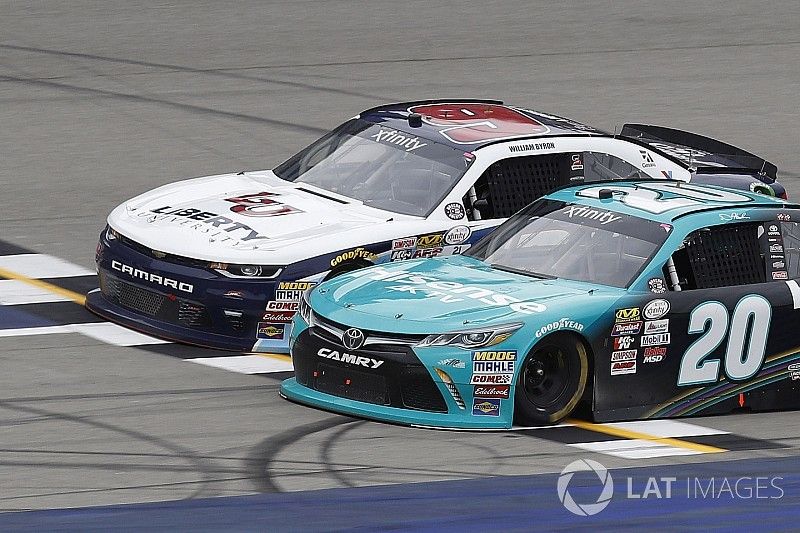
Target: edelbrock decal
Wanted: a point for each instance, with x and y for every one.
(447, 291)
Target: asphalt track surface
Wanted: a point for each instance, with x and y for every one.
(101, 101)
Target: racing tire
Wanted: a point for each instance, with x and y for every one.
(347, 267)
(551, 381)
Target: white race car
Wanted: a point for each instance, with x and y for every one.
(222, 261)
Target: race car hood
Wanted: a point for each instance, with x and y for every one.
(239, 217)
(443, 294)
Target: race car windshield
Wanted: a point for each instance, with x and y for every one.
(380, 166)
(551, 239)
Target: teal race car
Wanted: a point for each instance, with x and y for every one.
(624, 300)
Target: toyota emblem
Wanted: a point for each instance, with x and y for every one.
(353, 339)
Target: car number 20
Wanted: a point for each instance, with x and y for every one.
(747, 340)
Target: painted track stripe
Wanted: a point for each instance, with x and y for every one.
(105, 332)
(42, 266)
(54, 313)
(634, 449)
(245, 364)
(666, 428)
(15, 292)
(70, 295)
(630, 434)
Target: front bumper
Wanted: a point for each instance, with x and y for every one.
(404, 389)
(186, 303)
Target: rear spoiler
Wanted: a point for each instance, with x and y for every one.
(723, 154)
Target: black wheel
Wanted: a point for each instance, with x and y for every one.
(551, 381)
(346, 267)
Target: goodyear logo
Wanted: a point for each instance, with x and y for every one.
(430, 241)
(358, 253)
(631, 314)
(295, 285)
(510, 355)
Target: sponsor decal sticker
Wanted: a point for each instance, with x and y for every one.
(508, 355)
(358, 253)
(582, 211)
(493, 367)
(492, 391)
(267, 330)
(236, 295)
(282, 306)
(728, 217)
(794, 371)
(491, 379)
(775, 248)
(623, 355)
(623, 367)
(296, 285)
(564, 323)
(654, 354)
(454, 211)
(630, 314)
(344, 357)
(656, 309)
(457, 235)
(407, 142)
(430, 241)
(656, 326)
(278, 316)
(623, 343)
(577, 162)
(546, 145)
(657, 285)
(454, 363)
(780, 275)
(485, 407)
(647, 159)
(401, 244)
(654, 340)
(784, 217)
(629, 328)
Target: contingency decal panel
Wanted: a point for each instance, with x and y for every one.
(694, 352)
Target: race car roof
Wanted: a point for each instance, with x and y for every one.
(470, 124)
(654, 195)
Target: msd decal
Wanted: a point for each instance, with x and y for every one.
(261, 204)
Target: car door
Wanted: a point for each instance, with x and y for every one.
(728, 337)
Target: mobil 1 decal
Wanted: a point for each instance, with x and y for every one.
(705, 351)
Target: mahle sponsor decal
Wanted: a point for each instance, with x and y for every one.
(446, 291)
(344, 357)
(152, 278)
(493, 367)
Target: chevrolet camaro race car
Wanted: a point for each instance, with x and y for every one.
(626, 300)
(222, 261)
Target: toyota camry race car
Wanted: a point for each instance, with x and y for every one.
(633, 299)
(221, 261)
